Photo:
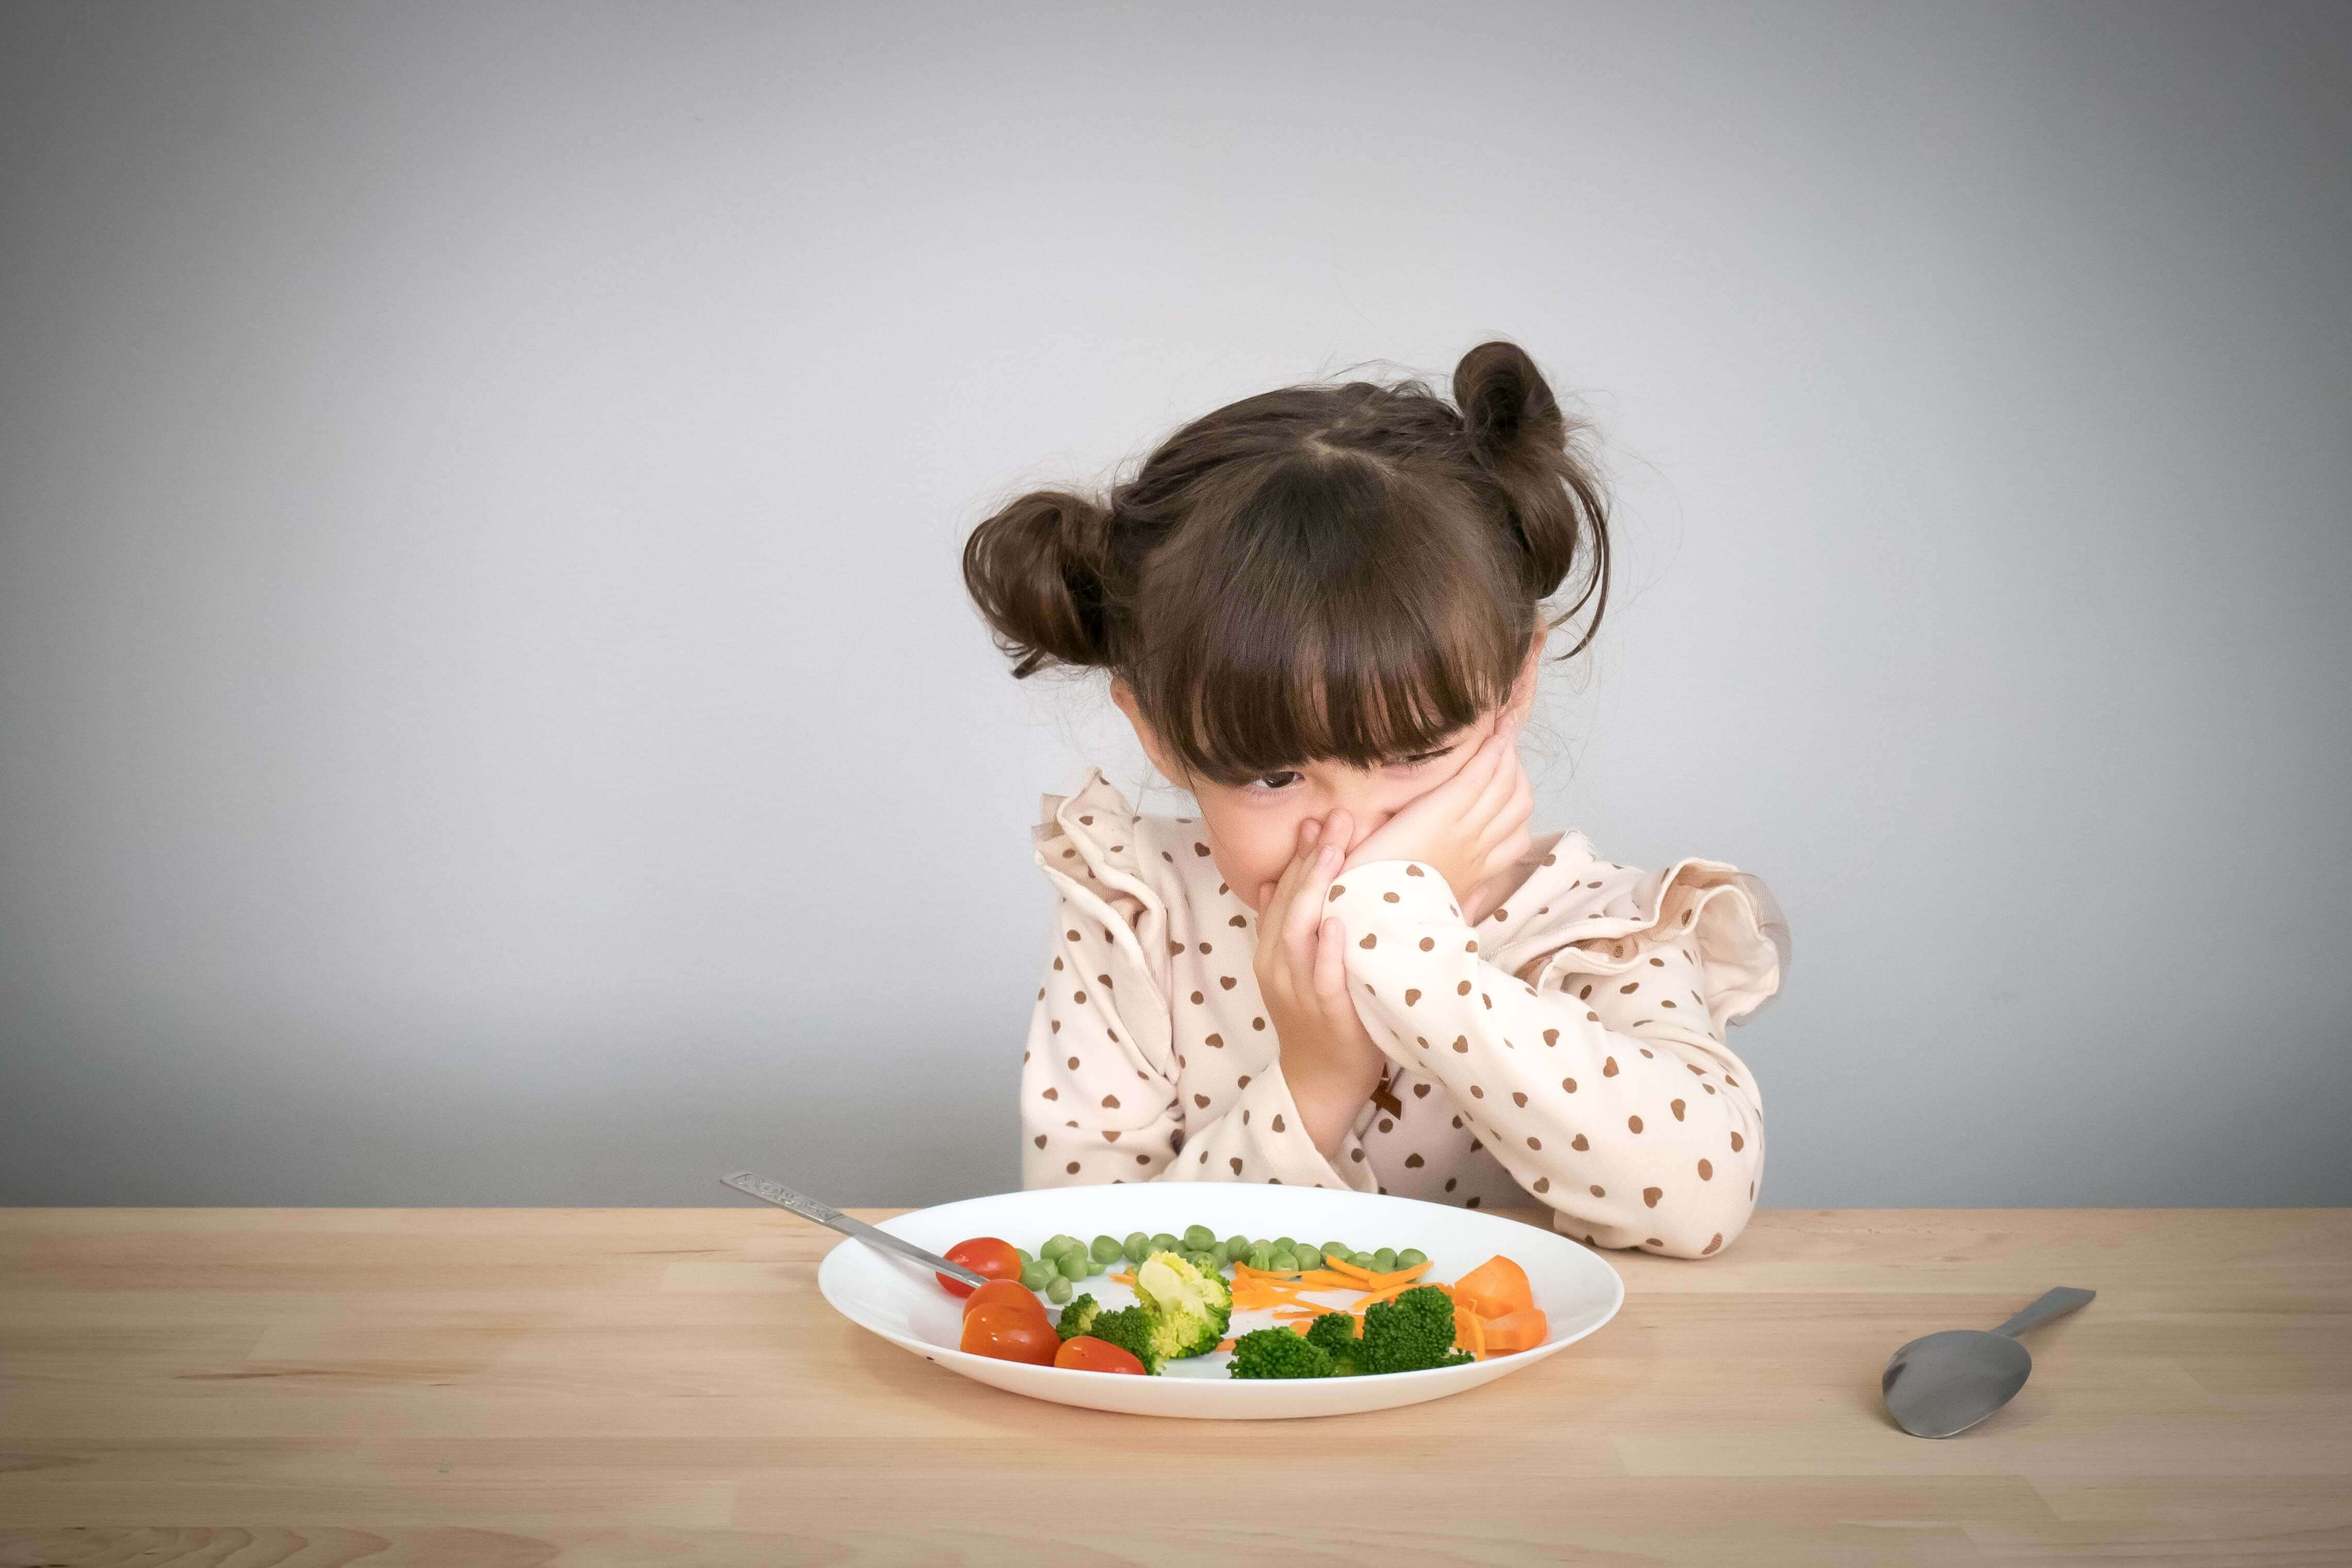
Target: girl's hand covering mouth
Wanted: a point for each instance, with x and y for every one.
(1471, 828)
(1326, 1050)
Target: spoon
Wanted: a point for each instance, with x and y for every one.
(1944, 1383)
(782, 1197)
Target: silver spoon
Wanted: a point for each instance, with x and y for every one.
(1944, 1383)
(782, 1197)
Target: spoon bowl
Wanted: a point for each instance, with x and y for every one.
(1944, 1383)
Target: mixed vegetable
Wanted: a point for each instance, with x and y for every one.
(1184, 1306)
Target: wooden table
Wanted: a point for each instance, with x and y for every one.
(602, 1386)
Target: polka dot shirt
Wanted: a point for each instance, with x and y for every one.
(1569, 1047)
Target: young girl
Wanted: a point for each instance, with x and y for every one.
(1322, 609)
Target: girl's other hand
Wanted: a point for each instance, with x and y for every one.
(1327, 1057)
(1471, 827)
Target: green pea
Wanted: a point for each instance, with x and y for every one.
(1096, 1265)
(1137, 1246)
(1163, 1242)
(1361, 1260)
(1058, 1290)
(1384, 1261)
(1105, 1248)
(1237, 1246)
(1261, 1257)
(1036, 1275)
(1285, 1263)
(1411, 1257)
(1341, 1247)
(1056, 1245)
(1073, 1265)
(1285, 1244)
(1022, 1253)
(1198, 1235)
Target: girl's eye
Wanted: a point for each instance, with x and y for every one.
(1269, 782)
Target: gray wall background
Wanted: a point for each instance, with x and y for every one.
(489, 715)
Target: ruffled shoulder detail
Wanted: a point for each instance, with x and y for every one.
(1091, 845)
(1090, 836)
(1726, 916)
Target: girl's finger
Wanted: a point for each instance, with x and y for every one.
(1330, 969)
(1512, 814)
(1306, 904)
(1338, 827)
(1506, 773)
(1302, 850)
(1459, 798)
(1444, 803)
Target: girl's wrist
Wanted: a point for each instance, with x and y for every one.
(1328, 1103)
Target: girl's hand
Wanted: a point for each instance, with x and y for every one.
(1327, 1058)
(1471, 828)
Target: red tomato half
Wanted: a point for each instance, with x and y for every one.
(981, 1254)
(1009, 1334)
(1010, 1293)
(1085, 1352)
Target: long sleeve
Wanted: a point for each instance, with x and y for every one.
(1104, 1093)
(1600, 1081)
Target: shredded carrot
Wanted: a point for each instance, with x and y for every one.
(1122, 1279)
(1391, 1292)
(1258, 1295)
(1328, 1278)
(1308, 1314)
(1224, 1344)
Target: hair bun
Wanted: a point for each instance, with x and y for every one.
(1516, 432)
(1035, 569)
(1504, 403)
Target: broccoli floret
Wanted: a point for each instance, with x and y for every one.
(1130, 1329)
(1336, 1334)
(1279, 1353)
(1191, 1309)
(1078, 1316)
(1412, 1334)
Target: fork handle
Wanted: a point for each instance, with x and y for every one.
(771, 1191)
(2064, 1299)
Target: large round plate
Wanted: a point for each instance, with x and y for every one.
(904, 1303)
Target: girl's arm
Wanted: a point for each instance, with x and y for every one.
(1613, 1098)
(1099, 1080)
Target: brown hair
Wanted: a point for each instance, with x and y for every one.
(1345, 572)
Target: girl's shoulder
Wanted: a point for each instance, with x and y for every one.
(1092, 842)
(1579, 913)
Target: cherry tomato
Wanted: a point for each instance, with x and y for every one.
(1009, 1334)
(1085, 1352)
(981, 1254)
(1010, 1293)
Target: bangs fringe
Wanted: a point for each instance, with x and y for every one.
(1358, 645)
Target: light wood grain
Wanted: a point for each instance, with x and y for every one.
(299, 1387)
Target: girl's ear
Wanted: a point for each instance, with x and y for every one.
(1124, 696)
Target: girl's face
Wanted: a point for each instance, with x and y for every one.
(1253, 828)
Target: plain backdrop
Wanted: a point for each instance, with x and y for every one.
(489, 713)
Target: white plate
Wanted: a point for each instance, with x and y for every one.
(904, 1303)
